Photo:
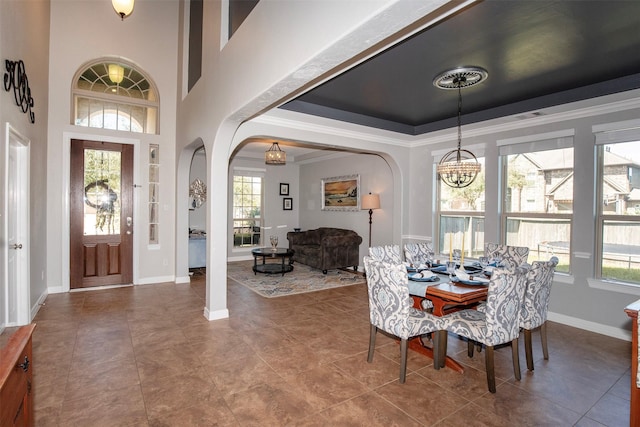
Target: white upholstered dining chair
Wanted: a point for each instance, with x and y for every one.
(498, 324)
(511, 256)
(417, 254)
(391, 310)
(536, 305)
(386, 253)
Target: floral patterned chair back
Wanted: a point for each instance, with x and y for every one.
(512, 256)
(387, 253)
(499, 323)
(504, 300)
(417, 254)
(391, 308)
(536, 305)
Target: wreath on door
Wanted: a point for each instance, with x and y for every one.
(102, 198)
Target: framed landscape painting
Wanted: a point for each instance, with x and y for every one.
(341, 193)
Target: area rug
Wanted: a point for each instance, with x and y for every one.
(302, 279)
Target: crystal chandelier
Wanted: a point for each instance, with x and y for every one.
(275, 156)
(459, 168)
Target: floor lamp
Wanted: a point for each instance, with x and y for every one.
(371, 202)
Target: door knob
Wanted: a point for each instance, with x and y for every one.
(17, 246)
(129, 221)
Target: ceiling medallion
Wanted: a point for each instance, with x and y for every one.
(459, 168)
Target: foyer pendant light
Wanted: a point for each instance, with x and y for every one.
(275, 156)
(459, 168)
(116, 73)
(123, 7)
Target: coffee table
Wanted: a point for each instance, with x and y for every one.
(284, 256)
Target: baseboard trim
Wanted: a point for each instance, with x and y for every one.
(38, 304)
(598, 328)
(183, 279)
(216, 315)
(158, 279)
(245, 257)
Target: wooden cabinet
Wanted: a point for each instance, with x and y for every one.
(16, 377)
(632, 312)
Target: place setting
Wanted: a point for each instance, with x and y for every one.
(425, 275)
(474, 273)
(471, 275)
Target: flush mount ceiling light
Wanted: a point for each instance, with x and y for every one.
(459, 168)
(123, 7)
(275, 156)
(116, 73)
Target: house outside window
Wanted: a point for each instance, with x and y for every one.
(538, 208)
(461, 217)
(247, 210)
(618, 248)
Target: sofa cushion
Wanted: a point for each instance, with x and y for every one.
(312, 237)
(308, 250)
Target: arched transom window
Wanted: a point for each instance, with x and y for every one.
(113, 94)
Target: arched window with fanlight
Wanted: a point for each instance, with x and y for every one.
(114, 94)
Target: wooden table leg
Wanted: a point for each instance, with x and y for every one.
(419, 347)
(416, 345)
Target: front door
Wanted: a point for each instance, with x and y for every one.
(101, 214)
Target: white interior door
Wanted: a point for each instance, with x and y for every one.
(17, 203)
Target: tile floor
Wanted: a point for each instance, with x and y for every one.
(145, 356)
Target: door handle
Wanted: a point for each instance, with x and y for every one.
(16, 246)
(129, 221)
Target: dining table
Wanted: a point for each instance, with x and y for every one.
(447, 296)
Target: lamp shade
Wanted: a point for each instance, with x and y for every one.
(123, 7)
(116, 73)
(370, 201)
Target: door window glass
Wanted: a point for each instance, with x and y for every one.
(101, 192)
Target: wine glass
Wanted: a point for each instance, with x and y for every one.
(430, 255)
(457, 254)
(274, 242)
(451, 268)
(484, 263)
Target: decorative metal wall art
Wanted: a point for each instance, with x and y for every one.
(198, 193)
(16, 76)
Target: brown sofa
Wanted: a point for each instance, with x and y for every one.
(326, 248)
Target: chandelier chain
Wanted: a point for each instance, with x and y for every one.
(459, 168)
